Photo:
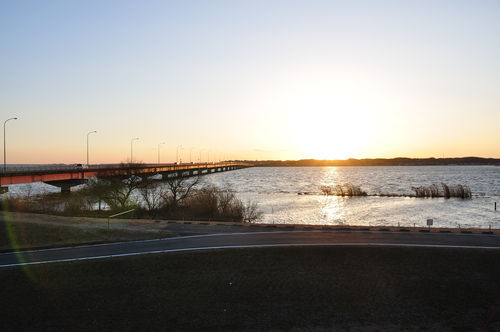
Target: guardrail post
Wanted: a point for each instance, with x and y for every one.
(118, 214)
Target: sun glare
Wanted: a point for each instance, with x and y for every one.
(336, 127)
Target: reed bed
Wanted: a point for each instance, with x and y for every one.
(347, 189)
(443, 190)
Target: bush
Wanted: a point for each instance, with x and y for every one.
(176, 198)
(221, 204)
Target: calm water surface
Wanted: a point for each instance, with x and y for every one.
(292, 195)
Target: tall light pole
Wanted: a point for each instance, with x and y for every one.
(178, 147)
(5, 146)
(131, 144)
(159, 151)
(199, 159)
(92, 132)
(190, 152)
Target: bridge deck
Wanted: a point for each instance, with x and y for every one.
(68, 173)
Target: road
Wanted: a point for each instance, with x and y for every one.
(249, 239)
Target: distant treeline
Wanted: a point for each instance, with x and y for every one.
(379, 162)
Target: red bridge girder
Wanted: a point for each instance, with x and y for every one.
(61, 175)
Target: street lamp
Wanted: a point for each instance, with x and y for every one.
(5, 146)
(131, 155)
(159, 151)
(190, 151)
(92, 132)
(199, 159)
(178, 147)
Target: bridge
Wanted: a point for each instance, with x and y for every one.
(68, 176)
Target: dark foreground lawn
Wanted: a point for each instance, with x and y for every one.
(312, 288)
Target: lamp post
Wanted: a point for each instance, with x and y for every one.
(178, 147)
(5, 146)
(159, 151)
(92, 132)
(199, 158)
(131, 151)
(190, 153)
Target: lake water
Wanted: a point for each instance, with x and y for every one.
(292, 195)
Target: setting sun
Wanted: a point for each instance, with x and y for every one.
(335, 126)
(319, 165)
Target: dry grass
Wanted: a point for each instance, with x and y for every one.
(444, 190)
(347, 189)
(29, 235)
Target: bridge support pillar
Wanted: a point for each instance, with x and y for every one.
(66, 185)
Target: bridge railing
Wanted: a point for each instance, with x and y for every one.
(19, 169)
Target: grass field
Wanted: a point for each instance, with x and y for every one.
(27, 235)
(314, 288)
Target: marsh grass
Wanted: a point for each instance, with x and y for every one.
(444, 190)
(347, 189)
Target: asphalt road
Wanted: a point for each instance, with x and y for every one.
(249, 239)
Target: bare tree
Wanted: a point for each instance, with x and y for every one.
(97, 191)
(251, 212)
(178, 189)
(153, 193)
(118, 186)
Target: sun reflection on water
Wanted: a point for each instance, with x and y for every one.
(332, 207)
(331, 177)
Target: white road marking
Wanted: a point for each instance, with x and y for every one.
(255, 246)
(224, 234)
(153, 240)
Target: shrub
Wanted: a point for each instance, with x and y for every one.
(221, 204)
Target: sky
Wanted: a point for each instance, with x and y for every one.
(249, 79)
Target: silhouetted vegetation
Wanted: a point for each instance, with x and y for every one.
(184, 198)
(178, 189)
(378, 162)
(219, 204)
(347, 189)
(442, 190)
(459, 191)
(176, 197)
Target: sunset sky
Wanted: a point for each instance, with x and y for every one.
(249, 79)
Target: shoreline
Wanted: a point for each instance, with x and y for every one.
(158, 225)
